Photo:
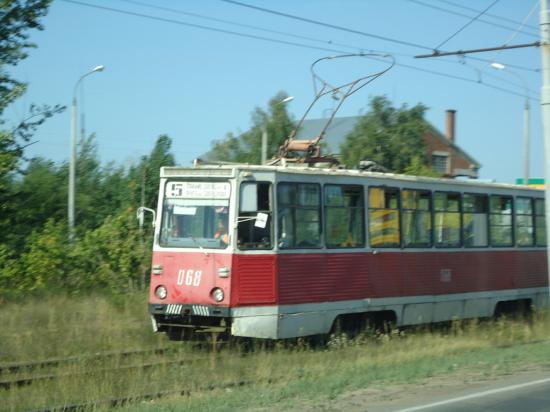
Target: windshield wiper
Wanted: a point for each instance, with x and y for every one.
(199, 245)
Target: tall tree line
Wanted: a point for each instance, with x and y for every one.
(110, 252)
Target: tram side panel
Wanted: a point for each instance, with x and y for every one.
(421, 287)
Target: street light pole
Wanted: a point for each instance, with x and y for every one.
(545, 113)
(264, 131)
(526, 109)
(72, 161)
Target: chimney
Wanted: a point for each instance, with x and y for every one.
(451, 125)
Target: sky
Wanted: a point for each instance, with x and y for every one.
(195, 70)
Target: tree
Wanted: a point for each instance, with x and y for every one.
(17, 18)
(246, 148)
(111, 257)
(391, 137)
(40, 196)
(146, 176)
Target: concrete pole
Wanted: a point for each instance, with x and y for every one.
(545, 112)
(72, 169)
(264, 144)
(526, 142)
(72, 161)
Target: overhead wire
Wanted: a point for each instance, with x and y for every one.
(329, 25)
(517, 31)
(197, 26)
(248, 26)
(473, 19)
(346, 29)
(351, 47)
(295, 44)
(494, 16)
(432, 6)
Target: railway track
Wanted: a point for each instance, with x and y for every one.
(119, 401)
(13, 375)
(14, 367)
(126, 400)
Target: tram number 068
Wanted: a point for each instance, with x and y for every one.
(189, 277)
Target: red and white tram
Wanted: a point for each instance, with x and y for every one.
(283, 251)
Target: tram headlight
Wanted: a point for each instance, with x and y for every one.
(161, 292)
(217, 294)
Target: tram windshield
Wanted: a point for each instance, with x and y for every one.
(195, 215)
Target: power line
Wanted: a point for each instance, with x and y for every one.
(248, 26)
(332, 26)
(238, 3)
(494, 16)
(522, 24)
(431, 6)
(202, 16)
(198, 26)
(181, 23)
(467, 24)
(452, 76)
(313, 39)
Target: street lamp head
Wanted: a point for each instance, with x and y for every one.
(99, 68)
(498, 66)
(287, 99)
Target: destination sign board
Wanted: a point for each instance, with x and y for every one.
(198, 190)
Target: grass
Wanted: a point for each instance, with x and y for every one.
(270, 378)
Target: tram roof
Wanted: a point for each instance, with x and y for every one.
(229, 170)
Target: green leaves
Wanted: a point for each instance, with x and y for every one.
(391, 137)
(17, 17)
(246, 148)
(110, 252)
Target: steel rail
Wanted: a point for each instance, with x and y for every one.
(129, 399)
(8, 384)
(31, 365)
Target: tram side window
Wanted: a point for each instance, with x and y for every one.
(384, 217)
(255, 199)
(524, 222)
(344, 216)
(501, 230)
(540, 223)
(475, 220)
(447, 219)
(299, 215)
(417, 218)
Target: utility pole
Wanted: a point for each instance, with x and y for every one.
(545, 111)
(72, 161)
(264, 143)
(526, 109)
(141, 217)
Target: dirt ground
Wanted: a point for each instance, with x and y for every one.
(385, 398)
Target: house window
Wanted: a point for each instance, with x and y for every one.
(440, 163)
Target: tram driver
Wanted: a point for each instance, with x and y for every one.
(221, 231)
